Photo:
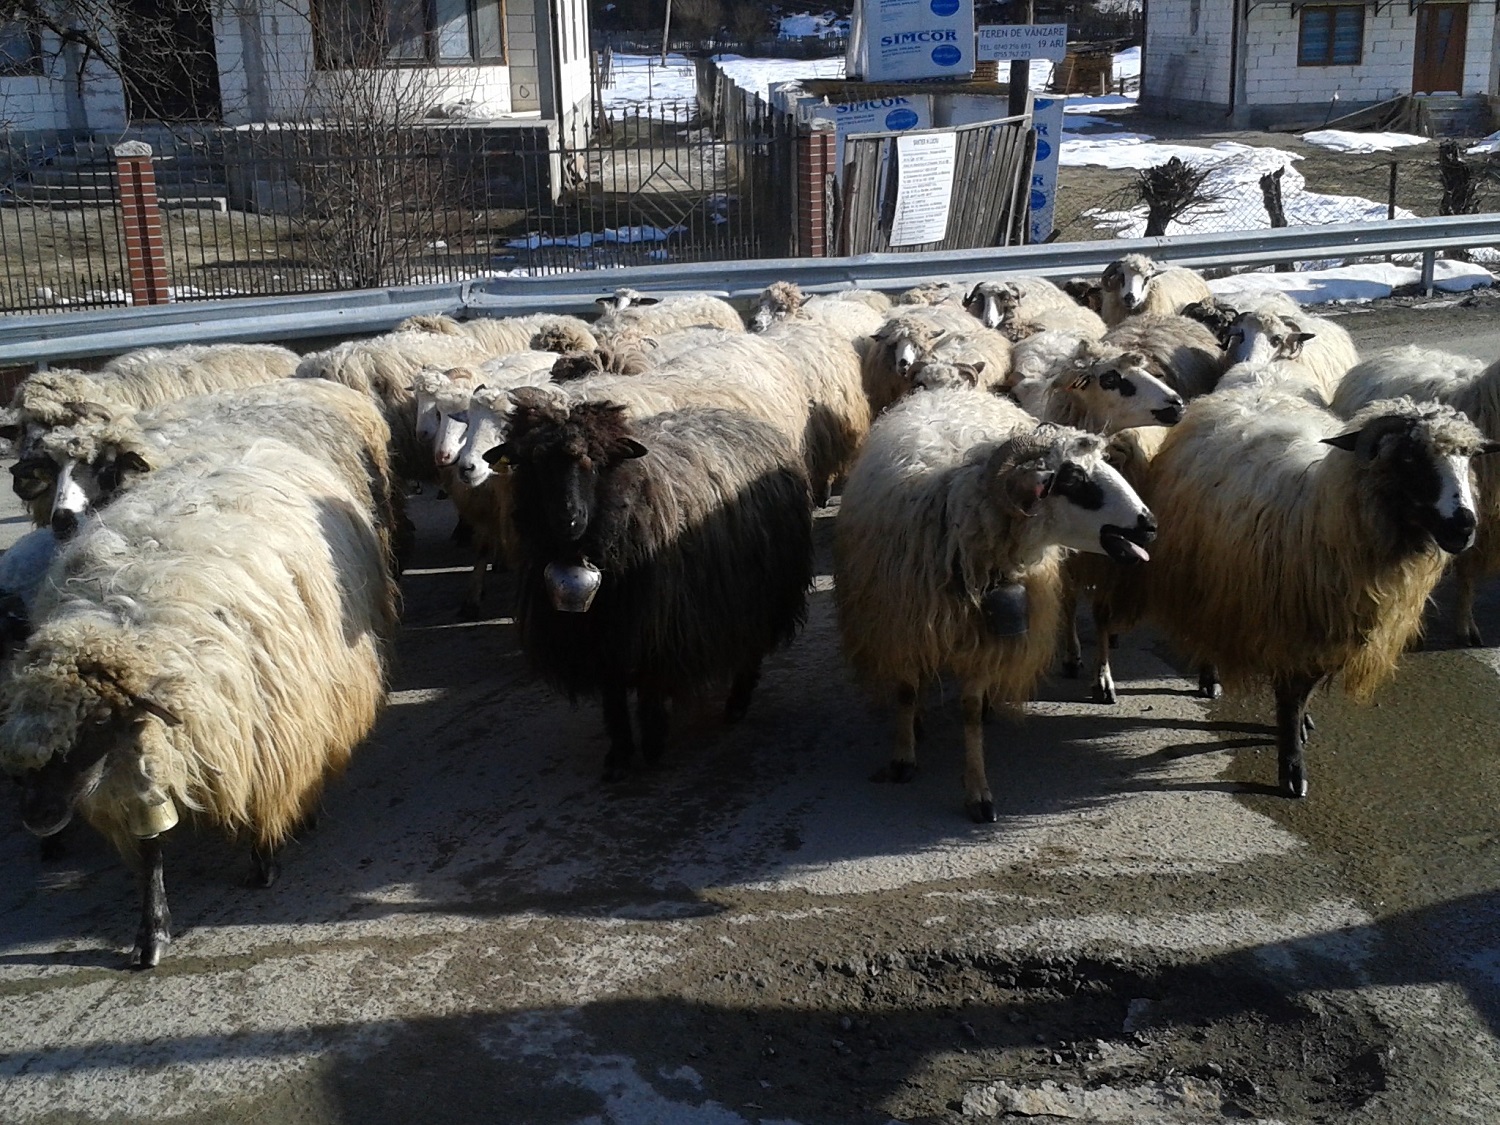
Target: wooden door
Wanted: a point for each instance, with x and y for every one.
(1438, 61)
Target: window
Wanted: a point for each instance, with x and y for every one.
(20, 49)
(1332, 36)
(408, 32)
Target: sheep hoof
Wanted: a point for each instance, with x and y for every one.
(982, 812)
(1072, 669)
(1470, 638)
(1208, 685)
(1293, 784)
(1308, 726)
(148, 950)
(1105, 693)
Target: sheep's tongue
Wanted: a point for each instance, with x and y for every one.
(1122, 549)
(1136, 549)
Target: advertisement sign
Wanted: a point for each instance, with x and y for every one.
(924, 188)
(1012, 42)
(895, 114)
(1047, 120)
(899, 39)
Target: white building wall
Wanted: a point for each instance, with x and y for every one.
(1272, 76)
(1183, 68)
(52, 100)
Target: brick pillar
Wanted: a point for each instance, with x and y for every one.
(816, 154)
(986, 71)
(140, 217)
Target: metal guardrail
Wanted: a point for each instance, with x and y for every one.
(63, 336)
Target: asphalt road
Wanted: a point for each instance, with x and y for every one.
(478, 930)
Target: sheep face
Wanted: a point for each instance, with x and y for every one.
(1074, 498)
(1420, 465)
(427, 416)
(1120, 392)
(993, 303)
(85, 486)
(448, 444)
(560, 459)
(901, 347)
(484, 430)
(1128, 278)
(1088, 294)
(1260, 338)
(624, 299)
(780, 300)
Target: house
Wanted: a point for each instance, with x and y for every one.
(1253, 63)
(523, 63)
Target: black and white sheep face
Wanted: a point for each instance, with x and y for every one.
(1428, 493)
(993, 303)
(485, 430)
(83, 487)
(1120, 392)
(1258, 338)
(1129, 278)
(1077, 499)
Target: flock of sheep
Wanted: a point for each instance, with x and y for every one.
(202, 621)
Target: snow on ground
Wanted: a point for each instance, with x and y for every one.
(1489, 144)
(1235, 175)
(1128, 64)
(640, 83)
(806, 25)
(608, 236)
(1352, 283)
(759, 75)
(1341, 140)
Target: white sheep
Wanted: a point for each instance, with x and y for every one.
(933, 293)
(1019, 307)
(1320, 349)
(914, 331)
(1135, 284)
(250, 661)
(502, 335)
(634, 314)
(856, 312)
(948, 555)
(1182, 352)
(1295, 545)
(1471, 388)
(1073, 381)
(148, 377)
(384, 368)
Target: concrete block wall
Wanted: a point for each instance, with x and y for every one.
(1182, 67)
(522, 44)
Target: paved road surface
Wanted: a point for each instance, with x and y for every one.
(477, 930)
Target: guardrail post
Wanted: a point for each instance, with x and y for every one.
(140, 216)
(817, 151)
(1429, 267)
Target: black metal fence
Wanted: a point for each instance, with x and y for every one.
(270, 210)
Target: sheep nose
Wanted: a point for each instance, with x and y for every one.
(443, 459)
(1457, 531)
(1171, 413)
(64, 524)
(1145, 525)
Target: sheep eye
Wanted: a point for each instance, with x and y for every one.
(1109, 381)
(1277, 341)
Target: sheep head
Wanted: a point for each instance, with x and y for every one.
(78, 701)
(1214, 315)
(936, 372)
(993, 303)
(1128, 277)
(1417, 460)
(562, 336)
(1117, 390)
(1261, 337)
(623, 299)
(89, 465)
(559, 454)
(781, 299)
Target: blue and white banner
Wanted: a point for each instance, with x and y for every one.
(1047, 120)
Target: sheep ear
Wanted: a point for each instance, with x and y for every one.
(10, 431)
(130, 459)
(499, 455)
(977, 367)
(1345, 442)
(1300, 338)
(605, 303)
(1488, 448)
(630, 449)
(970, 372)
(645, 300)
(973, 295)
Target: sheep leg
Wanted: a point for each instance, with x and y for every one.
(621, 738)
(266, 867)
(473, 602)
(156, 922)
(1072, 662)
(651, 706)
(1291, 733)
(740, 691)
(977, 799)
(1104, 677)
(903, 765)
(1467, 632)
(1208, 681)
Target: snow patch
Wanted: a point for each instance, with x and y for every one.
(1352, 283)
(1341, 140)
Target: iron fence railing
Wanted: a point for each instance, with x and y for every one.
(270, 210)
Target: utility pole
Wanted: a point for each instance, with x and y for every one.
(666, 32)
(1020, 69)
